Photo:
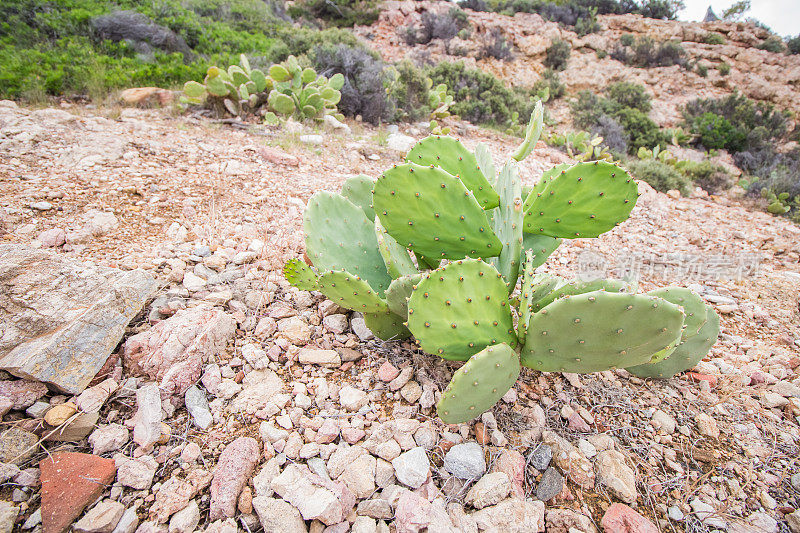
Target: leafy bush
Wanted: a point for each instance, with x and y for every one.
(710, 177)
(793, 45)
(714, 38)
(433, 25)
(587, 24)
(660, 176)
(480, 97)
(363, 91)
(772, 44)
(644, 52)
(716, 132)
(702, 70)
(640, 128)
(339, 13)
(724, 69)
(629, 94)
(557, 55)
(474, 5)
(408, 91)
(627, 39)
(495, 45)
(550, 84)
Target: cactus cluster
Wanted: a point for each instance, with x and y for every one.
(287, 90)
(436, 248)
(236, 88)
(439, 102)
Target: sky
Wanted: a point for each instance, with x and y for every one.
(783, 16)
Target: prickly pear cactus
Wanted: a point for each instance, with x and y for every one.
(435, 247)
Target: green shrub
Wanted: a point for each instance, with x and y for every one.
(716, 132)
(629, 94)
(660, 176)
(710, 177)
(702, 70)
(627, 39)
(724, 69)
(772, 44)
(409, 92)
(640, 128)
(339, 13)
(480, 97)
(644, 52)
(557, 55)
(793, 45)
(551, 83)
(587, 24)
(714, 38)
(601, 54)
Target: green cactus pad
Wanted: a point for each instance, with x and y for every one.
(431, 212)
(386, 326)
(585, 200)
(532, 133)
(452, 157)
(300, 275)
(690, 351)
(508, 223)
(194, 89)
(541, 246)
(216, 86)
(396, 257)
(281, 103)
(279, 73)
(339, 236)
(486, 163)
(426, 263)
(479, 384)
(534, 288)
(694, 307)
(399, 292)
(352, 292)
(600, 330)
(259, 79)
(460, 309)
(358, 189)
(581, 287)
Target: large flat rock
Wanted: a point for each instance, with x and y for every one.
(61, 319)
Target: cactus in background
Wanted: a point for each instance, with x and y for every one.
(439, 102)
(300, 92)
(235, 89)
(437, 251)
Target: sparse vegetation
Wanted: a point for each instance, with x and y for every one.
(433, 25)
(714, 38)
(557, 55)
(644, 52)
(660, 176)
(338, 13)
(772, 44)
(793, 45)
(724, 69)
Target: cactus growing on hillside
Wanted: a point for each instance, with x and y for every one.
(234, 88)
(439, 247)
(301, 92)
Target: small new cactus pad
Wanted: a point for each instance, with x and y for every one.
(449, 154)
(431, 212)
(486, 163)
(532, 133)
(479, 384)
(692, 347)
(396, 257)
(585, 200)
(300, 275)
(352, 292)
(358, 189)
(458, 310)
(386, 326)
(534, 288)
(600, 330)
(399, 292)
(339, 236)
(578, 286)
(508, 223)
(541, 246)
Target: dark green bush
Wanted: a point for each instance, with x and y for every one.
(496, 46)
(338, 13)
(772, 44)
(644, 52)
(793, 45)
(480, 97)
(433, 25)
(557, 55)
(724, 69)
(660, 176)
(640, 128)
(710, 177)
(587, 24)
(409, 92)
(702, 70)
(551, 82)
(629, 94)
(627, 39)
(714, 38)
(716, 132)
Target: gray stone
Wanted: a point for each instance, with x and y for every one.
(489, 490)
(359, 327)
(540, 457)
(185, 520)
(8, 515)
(61, 319)
(412, 467)
(197, 405)
(400, 142)
(550, 485)
(147, 426)
(465, 461)
(128, 523)
(17, 446)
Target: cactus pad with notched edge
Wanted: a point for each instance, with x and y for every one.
(479, 384)
(431, 212)
(580, 287)
(395, 256)
(692, 347)
(399, 292)
(449, 154)
(352, 292)
(386, 326)
(600, 330)
(339, 236)
(300, 275)
(358, 189)
(585, 200)
(458, 310)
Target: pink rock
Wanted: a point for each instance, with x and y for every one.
(235, 466)
(577, 423)
(387, 372)
(315, 497)
(173, 351)
(512, 463)
(412, 513)
(21, 393)
(53, 237)
(93, 398)
(328, 431)
(175, 493)
(620, 518)
(353, 435)
(5, 405)
(342, 527)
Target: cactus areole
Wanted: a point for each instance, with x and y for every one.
(445, 248)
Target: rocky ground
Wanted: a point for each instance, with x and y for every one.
(236, 402)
